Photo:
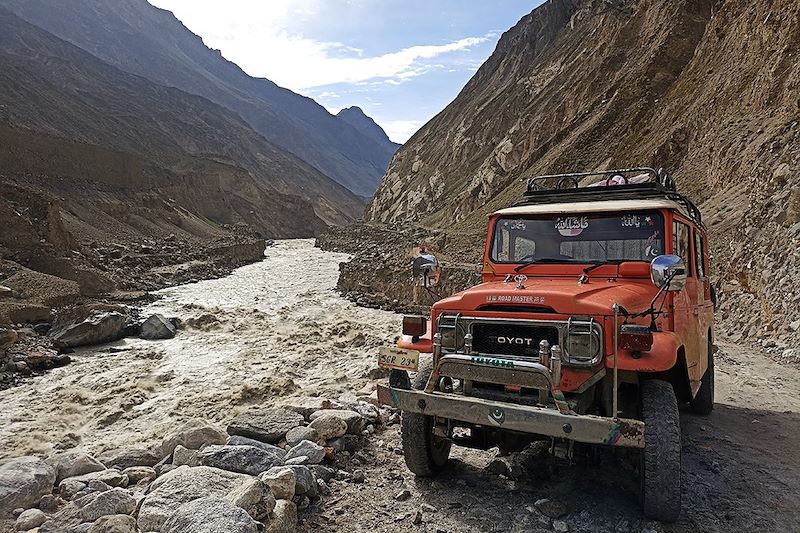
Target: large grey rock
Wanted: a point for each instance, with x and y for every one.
(314, 452)
(22, 482)
(280, 481)
(238, 440)
(241, 459)
(306, 405)
(119, 523)
(304, 482)
(254, 495)
(265, 424)
(354, 421)
(122, 458)
(73, 463)
(284, 518)
(297, 435)
(112, 477)
(193, 435)
(30, 519)
(138, 474)
(157, 327)
(97, 329)
(184, 456)
(114, 501)
(329, 427)
(183, 485)
(209, 515)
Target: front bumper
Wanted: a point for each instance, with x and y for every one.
(526, 419)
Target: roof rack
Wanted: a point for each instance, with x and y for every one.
(619, 184)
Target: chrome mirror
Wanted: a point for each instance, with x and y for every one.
(668, 272)
(426, 270)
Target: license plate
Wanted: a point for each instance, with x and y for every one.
(398, 358)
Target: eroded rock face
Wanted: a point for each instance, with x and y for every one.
(183, 485)
(209, 515)
(97, 329)
(265, 424)
(22, 482)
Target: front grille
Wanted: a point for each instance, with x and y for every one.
(511, 339)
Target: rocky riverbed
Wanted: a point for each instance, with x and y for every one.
(257, 416)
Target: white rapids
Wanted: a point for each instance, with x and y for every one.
(268, 331)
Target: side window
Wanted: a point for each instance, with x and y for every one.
(680, 243)
(699, 254)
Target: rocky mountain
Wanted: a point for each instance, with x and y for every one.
(356, 117)
(93, 156)
(150, 42)
(705, 88)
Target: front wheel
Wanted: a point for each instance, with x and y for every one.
(703, 402)
(661, 456)
(425, 453)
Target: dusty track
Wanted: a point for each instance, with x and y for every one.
(281, 330)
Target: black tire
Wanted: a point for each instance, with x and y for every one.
(703, 402)
(661, 456)
(424, 453)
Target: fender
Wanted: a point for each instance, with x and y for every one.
(661, 357)
(424, 344)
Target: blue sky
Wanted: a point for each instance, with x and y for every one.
(402, 61)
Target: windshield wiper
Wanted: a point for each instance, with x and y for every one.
(598, 264)
(541, 260)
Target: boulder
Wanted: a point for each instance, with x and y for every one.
(209, 515)
(99, 328)
(238, 440)
(183, 485)
(23, 482)
(7, 338)
(304, 482)
(265, 424)
(32, 518)
(329, 427)
(123, 458)
(111, 476)
(254, 495)
(73, 463)
(241, 459)
(306, 405)
(284, 518)
(193, 435)
(91, 487)
(138, 474)
(157, 327)
(297, 435)
(184, 456)
(281, 482)
(312, 451)
(118, 523)
(112, 502)
(354, 421)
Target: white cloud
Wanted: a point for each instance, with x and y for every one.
(401, 130)
(260, 37)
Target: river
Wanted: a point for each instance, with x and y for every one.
(268, 331)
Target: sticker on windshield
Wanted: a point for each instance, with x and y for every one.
(518, 225)
(637, 221)
(571, 226)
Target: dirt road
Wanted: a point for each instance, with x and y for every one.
(277, 329)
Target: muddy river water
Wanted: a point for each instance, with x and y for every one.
(266, 332)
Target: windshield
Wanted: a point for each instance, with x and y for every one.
(630, 236)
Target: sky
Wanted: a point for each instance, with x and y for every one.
(401, 61)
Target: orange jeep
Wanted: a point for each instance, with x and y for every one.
(592, 324)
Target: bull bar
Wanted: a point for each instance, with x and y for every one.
(588, 429)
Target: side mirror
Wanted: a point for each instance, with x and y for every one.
(668, 272)
(426, 270)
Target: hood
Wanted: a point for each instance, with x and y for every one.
(562, 295)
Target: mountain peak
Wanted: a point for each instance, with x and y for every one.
(356, 117)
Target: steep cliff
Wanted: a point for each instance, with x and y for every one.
(708, 89)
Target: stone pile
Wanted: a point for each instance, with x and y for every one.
(256, 476)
